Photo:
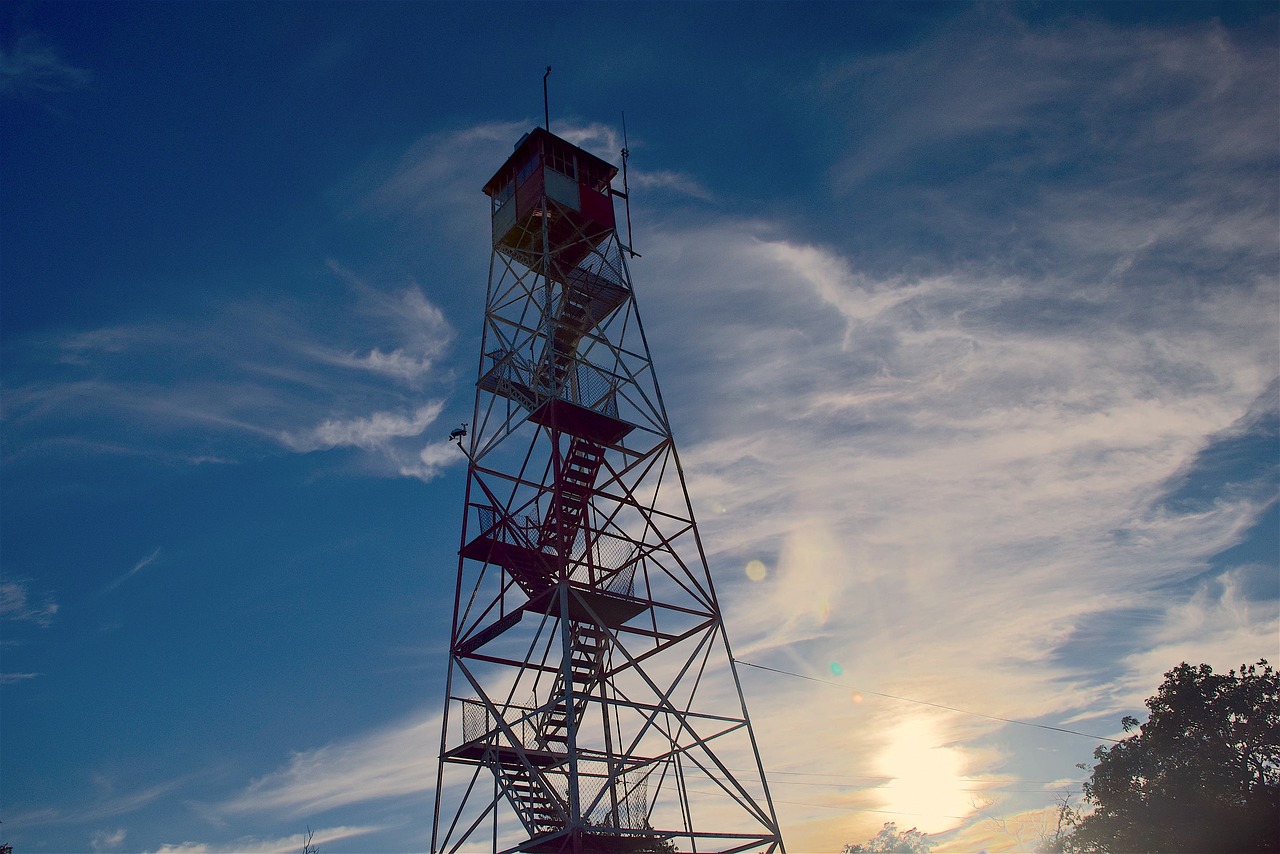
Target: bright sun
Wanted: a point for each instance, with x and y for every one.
(926, 783)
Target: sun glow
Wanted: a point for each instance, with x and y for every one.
(926, 785)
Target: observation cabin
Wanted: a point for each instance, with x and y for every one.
(547, 177)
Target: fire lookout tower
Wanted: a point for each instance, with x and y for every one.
(591, 703)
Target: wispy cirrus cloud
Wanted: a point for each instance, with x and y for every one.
(675, 182)
(1070, 142)
(276, 845)
(440, 176)
(369, 432)
(950, 433)
(950, 506)
(111, 805)
(414, 320)
(248, 378)
(31, 67)
(430, 460)
(394, 761)
(137, 567)
(19, 603)
(108, 840)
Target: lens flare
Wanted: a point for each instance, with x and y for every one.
(836, 669)
(756, 570)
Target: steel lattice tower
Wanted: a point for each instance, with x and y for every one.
(591, 702)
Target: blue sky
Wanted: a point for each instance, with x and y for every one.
(966, 317)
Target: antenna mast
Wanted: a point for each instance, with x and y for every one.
(546, 108)
(626, 191)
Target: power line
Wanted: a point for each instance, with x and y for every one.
(888, 777)
(934, 705)
(864, 809)
(883, 782)
(880, 788)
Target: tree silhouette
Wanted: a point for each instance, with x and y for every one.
(1201, 775)
(890, 840)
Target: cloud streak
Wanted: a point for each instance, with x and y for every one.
(106, 808)
(251, 379)
(137, 567)
(957, 472)
(277, 845)
(31, 67)
(369, 432)
(395, 761)
(17, 603)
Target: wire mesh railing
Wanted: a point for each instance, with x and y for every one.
(610, 565)
(529, 384)
(617, 802)
(622, 582)
(480, 724)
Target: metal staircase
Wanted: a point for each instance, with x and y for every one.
(538, 808)
(588, 645)
(574, 486)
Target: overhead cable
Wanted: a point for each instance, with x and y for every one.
(927, 703)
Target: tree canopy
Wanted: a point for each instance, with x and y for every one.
(1201, 775)
(890, 840)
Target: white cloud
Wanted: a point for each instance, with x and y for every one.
(111, 805)
(1217, 625)
(12, 678)
(392, 762)
(17, 603)
(440, 176)
(248, 376)
(1105, 88)
(603, 140)
(137, 567)
(279, 845)
(414, 319)
(29, 67)
(665, 179)
(431, 459)
(108, 840)
(943, 498)
(397, 363)
(386, 435)
(368, 432)
(438, 181)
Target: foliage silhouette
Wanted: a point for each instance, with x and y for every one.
(1201, 775)
(890, 840)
